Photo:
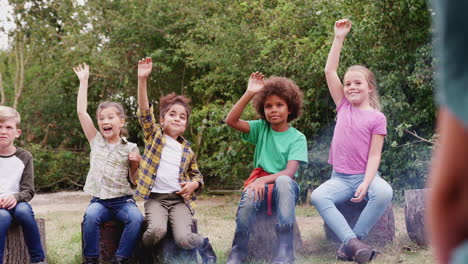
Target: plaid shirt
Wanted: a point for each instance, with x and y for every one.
(108, 175)
(154, 144)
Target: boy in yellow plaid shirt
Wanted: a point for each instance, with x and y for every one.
(168, 174)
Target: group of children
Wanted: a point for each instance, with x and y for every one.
(167, 174)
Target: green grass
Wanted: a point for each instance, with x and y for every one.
(216, 220)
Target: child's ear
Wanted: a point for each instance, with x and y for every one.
(161, 121)
(18, 133)
(122, 122)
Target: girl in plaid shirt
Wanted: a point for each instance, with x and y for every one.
(113, 165)
(168, 174)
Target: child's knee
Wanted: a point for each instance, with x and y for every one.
(189, 241)
(284, 185)
(23, 211)
(153, 235)
(5, 216)
(384, 194)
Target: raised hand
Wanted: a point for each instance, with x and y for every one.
(255, 82)
(82, 71)
(342, 27)
(144, 67)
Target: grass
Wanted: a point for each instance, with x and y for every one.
(216, 220)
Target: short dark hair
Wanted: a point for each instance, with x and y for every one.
(284, 88)
(166, 102)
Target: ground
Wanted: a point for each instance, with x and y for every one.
(63, 212)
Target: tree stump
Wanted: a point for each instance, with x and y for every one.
(415, 212)
(164, 252)
(16, 251)
(383, 231)
(263, 241)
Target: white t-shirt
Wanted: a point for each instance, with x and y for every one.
(167, 177)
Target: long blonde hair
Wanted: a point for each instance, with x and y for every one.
(369, 75)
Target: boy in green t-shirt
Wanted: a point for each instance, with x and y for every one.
(280, 149)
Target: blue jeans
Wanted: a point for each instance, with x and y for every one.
(122, 209)
(341, 188)
(22, 214)
(285, 195)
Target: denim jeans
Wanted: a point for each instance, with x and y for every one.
(122, 209)
(22, 214)
(285, 195)
(341, 188)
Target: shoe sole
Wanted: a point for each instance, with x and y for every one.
(364, 255)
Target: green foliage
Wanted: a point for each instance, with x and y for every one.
(206, 50)
(58, 169)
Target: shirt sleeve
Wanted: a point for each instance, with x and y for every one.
(147, 121)
(380, 127)
(26, 192)
(195, 174)
(298, 150)
(255, 127)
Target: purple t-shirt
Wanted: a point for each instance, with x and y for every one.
(352, 137)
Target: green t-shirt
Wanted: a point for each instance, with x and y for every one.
(450, 45)
(274, 149)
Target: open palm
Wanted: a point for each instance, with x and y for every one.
(82, 71)
(144, 67)
(255, 82)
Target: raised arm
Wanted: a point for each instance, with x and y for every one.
(82, 71)
(335, 86)
(144, 69)
(233, 118)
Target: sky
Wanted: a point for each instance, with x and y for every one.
(5, 12)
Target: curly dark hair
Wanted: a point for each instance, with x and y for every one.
(284, 88)
(166, 102)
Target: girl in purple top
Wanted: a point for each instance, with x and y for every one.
(354, 153)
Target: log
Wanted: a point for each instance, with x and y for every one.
(164, 252)
(109, 238)
(415, 212)
(382, 233)
(263, 241)
(16, 250)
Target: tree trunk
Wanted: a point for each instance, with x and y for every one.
(20, 62)
(383, 231)
(415, 212)
(263, 241)
(16, 251)
(2, 91)
(164, 252)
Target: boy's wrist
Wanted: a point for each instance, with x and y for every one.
(250, 93)
(142, 78)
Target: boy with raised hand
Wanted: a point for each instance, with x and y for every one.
(279, 150)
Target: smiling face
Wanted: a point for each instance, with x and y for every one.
(356, 89)
(8, 133)
(276, 112)
(110, 123)
(175, 121)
